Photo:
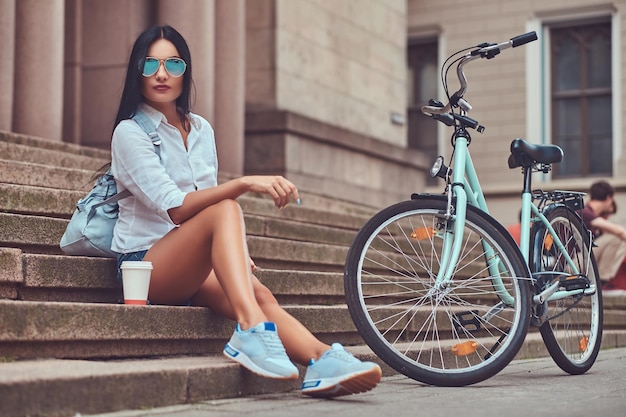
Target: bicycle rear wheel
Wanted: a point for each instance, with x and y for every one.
(453, 335)
(572, 331)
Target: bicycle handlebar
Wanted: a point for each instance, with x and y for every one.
(523, 39)
(485, 50)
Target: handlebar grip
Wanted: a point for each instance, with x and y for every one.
(523, 39)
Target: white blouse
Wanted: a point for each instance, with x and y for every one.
(157, 185)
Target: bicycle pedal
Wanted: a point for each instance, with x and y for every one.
(467, 321)
(574, 282)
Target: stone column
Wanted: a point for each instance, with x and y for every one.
(72, 105)
(194, 20)
(7, 70)
(230, 35)
(38, 94)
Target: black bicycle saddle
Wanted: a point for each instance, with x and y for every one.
(526, 154)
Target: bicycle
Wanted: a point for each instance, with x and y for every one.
(439, 289)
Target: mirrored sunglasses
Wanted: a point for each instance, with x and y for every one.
(174, 66)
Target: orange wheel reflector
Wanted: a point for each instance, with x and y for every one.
(423, 233)
(584, 342)
(465, 348)
(547, 244)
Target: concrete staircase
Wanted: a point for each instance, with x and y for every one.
(68, 345)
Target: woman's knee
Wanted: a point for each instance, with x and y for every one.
(223, 210)
(218, 214)
(228, 206)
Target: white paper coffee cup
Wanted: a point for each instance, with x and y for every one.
(136, 281)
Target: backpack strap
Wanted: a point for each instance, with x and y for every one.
(111, 200)
(146, 124)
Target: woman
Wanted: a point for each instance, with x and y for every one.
(192, 229)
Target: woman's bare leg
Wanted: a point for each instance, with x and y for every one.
(212, 240)
(301, 345)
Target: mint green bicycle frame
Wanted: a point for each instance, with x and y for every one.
(465, 188)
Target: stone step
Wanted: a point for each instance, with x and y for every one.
(46, 207)
(31, 233)
(41, 151)
(42, 163)
(43, 329)
(40, 201)
(81, 180)
(91, 330)
(45, 176)
(68, 387)
(36, 277)
(43, 234)
(273, 242)
(65, 388)
(31, 197)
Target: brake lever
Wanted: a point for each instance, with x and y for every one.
(435, 107)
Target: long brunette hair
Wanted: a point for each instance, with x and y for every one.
(131, 96)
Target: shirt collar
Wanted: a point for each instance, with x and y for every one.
(156, 116)
(153, 114)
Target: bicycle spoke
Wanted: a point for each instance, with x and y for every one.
(572, 329)
(457, 327)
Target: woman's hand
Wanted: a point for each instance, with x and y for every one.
(278, 187)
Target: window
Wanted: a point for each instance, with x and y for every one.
(423, 80)
(581, 99)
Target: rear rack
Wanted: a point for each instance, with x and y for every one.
(572, 199)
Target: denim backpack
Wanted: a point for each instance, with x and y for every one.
(90, 230)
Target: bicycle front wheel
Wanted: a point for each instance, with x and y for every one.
(572, 330)
(447, 333)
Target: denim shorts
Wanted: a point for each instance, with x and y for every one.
(131, 256)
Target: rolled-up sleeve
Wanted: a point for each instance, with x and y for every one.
(159, 181)
(137, 167)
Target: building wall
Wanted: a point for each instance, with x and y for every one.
(506, 92)
(343, 62)
(329, 76)
(339, 62)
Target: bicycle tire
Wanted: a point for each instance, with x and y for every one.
(452, 336)
(573, 328)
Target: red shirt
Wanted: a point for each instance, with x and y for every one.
(588, 216)
(515, 230)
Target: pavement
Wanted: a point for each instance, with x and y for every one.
(530, 387)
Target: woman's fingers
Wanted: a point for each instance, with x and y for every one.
(292, 191)
(282, 190)
(285, 189)
(278, 187)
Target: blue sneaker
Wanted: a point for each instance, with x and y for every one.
(338, 373)
(260, 350)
